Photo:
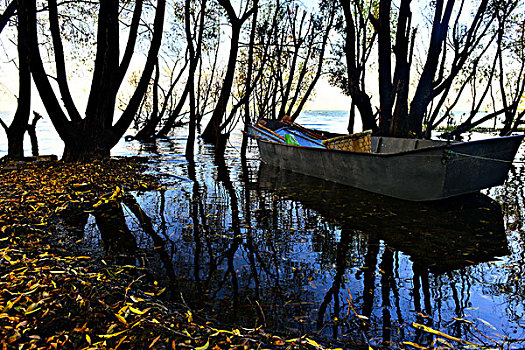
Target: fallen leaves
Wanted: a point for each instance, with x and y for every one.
(36, 192)
(50, 299)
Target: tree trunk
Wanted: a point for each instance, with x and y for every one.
(194, 58)
(351, 119)
(212, 132)
(104, 86)
(148, 131)
(87, 146)
(424, 91)
(248, 82)
(15, 132)
(359, 96)
(96, 134)
(31, 130)
(7, 14)
(399, 126)
(386, 95)
(152, 123)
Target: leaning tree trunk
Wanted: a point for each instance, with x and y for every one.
(359, 96)
(424, 91)
(195, 54)
(148, 131)
(9, 12)
(212, 132)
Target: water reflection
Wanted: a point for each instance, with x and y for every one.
(251, 245)
(440, 236)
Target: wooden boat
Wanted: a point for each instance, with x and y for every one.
(410, 169)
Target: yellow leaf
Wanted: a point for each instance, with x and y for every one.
(137, 311)
(115, 193)
(32, 311)
(313, 343)
(98, 204)
(417, 346)
(31, 308)
(107, 336)
(111, 328)
(14, 337)
(154, 341)
(88, 339)
(121, 319)
(123, 309)
(135, 299)
(443, 341)
(441, 334)
(10, 304)
(462, 320)
(487, 324)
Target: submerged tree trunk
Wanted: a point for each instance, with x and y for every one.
(148, 131)
(119, 241)
(213, 131)
(195, 56)
(31, 130)
(359, 97)
(248, 82)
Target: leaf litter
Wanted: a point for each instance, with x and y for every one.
(51, 299)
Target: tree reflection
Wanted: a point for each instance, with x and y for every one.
(118, 240)
(441, 240)
(333, 293)
(301, 255)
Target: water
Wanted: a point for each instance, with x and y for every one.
(48, 140)
(250, 245)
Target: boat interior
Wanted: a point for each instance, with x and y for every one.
(291, 133)
(382, 144)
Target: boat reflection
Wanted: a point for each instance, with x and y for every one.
(441, 239)
(439, 236)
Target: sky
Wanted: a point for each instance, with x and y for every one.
(328, 98)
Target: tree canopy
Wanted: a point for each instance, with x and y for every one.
(407, 65)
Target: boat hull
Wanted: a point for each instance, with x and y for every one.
(424, 174)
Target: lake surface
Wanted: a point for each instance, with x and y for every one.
(251, 245)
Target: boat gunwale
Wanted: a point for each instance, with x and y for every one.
(393, 154)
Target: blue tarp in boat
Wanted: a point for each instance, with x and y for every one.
(301, 138)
